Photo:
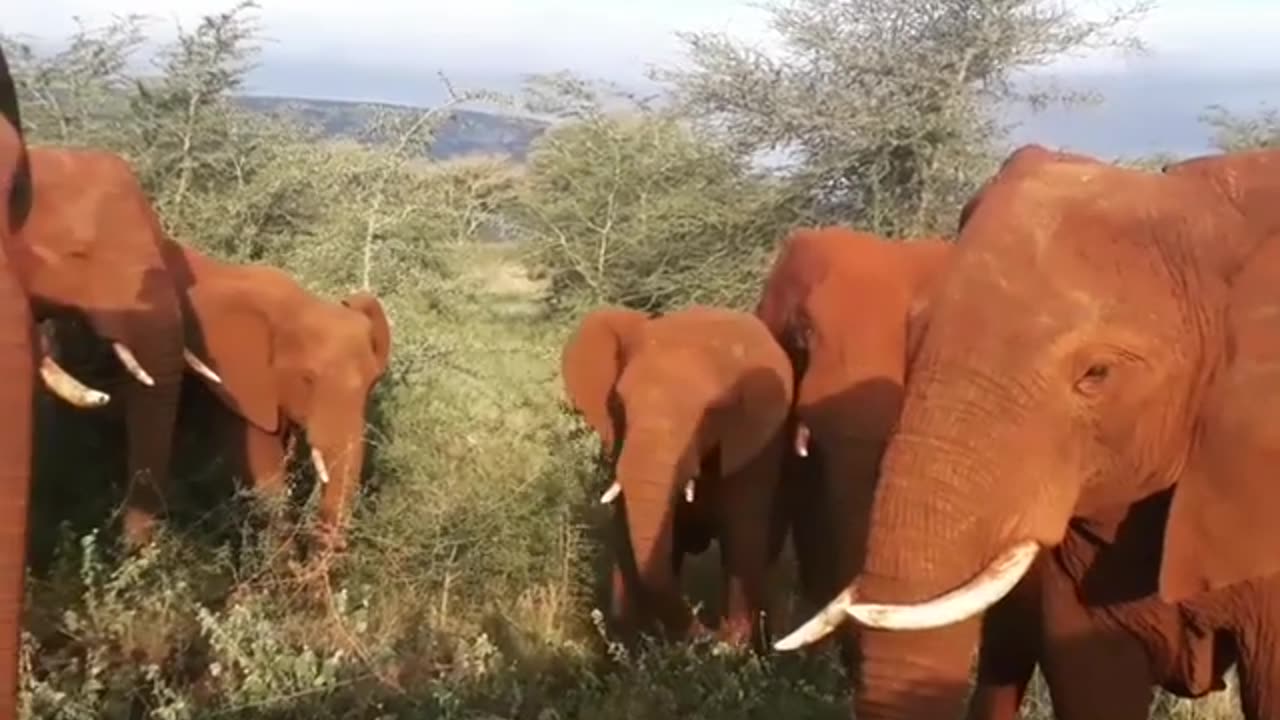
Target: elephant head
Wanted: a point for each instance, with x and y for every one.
(842, 304)
(1071, 347)
(663, 394)
(1249, 180)
(290, 359)
(17, 369)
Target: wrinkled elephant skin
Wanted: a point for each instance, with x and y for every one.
(696, 395)
(1094, 320)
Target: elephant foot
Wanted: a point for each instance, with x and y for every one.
(138, 528)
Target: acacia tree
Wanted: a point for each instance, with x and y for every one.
(1233, 132)
(889, 110)
(633, 207)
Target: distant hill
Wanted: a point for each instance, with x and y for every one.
(467, 132)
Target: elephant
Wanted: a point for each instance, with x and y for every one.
(1103, 337)
(286, 360)
(17, 367)
(694, 402)
(842, 304)
(90, 251)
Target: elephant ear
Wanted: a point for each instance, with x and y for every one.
(236, 338)
(1222, 525)
(593, 359)
(379, 327)
(763, 402)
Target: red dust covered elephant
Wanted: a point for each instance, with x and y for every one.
(843, 305)
(287, 360)
(691, 407)
(1095, 387)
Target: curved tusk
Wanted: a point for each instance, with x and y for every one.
(984, 590)
(821, 625)
(322, 472)
(611, 494)
(802, 440)
(688, 491)
(199, 367)
(131, 364)
(64, 385)
(975, 596)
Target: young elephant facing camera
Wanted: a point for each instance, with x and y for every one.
(691, 406)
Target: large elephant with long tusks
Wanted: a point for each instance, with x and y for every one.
(1103, 336)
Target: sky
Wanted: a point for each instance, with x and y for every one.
(1200, 52)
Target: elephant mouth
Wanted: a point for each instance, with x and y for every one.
(986, 588)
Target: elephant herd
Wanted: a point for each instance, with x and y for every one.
(82, 246)
(1049, 440)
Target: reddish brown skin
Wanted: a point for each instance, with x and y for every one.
(1098, 582)
(842, 304)
(701, 391)
(288, 360)
(1009, 430)
(91, 250)
(17, 368)
(1249, 179)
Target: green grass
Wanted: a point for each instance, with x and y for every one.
(470, 590)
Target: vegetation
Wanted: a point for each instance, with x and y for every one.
(477, 562)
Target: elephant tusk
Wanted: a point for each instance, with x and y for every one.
(802, 440)
(984, 590)
(61, 383)
(611, 494)
(688, 491)
(195, 364)
(821, 625)
(131, 364)
(317, 460)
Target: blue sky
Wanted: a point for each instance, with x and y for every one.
(1202, 52)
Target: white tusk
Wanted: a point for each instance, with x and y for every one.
(131, 364)
(821, 625)
(195, 364)
(802, 440)
(61, 383)
(688, 491)
(975, 596)
(318, 461)
(612, 493)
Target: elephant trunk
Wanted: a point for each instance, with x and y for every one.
(941, 546)
(17, 368)
(151, 413)
(652, 472)
(918, 548)
(337, 456)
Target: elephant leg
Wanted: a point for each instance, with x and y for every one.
(748, 527)
(1094, 671)
(1257, 636)
(1010, 649)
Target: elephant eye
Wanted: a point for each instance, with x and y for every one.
(1093, 378)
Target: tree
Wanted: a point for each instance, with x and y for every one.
(636, 208)
(1232, 131)
(888, 109)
